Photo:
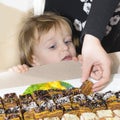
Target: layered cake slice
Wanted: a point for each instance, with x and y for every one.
(111, 99)
(47, 110)
(86, 87)
(46, 105)
(10, 100)
(102, 114)
(68, 116)
(27, 106)
(89, 116)
(96, 102)
(12, 106)
(2, 110)
(117, 112)
(14, 113)
(71, 92)
(64, 102)
(79, 104)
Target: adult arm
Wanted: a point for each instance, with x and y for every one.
(92, 51)
(99, 16)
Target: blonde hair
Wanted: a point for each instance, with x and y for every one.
(42, 24)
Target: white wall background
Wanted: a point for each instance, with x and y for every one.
(22, 5)
(12, 11)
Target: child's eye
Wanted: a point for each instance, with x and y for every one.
(52, 47)
(68, 41)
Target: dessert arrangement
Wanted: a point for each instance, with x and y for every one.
(61, 104)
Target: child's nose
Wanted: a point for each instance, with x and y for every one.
(64, 47)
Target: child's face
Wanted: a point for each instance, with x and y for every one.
(54, 46)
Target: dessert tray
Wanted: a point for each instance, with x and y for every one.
(60, 100)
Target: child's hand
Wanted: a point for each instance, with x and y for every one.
(19, 68)
(74, 58)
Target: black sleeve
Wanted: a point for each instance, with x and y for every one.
(96, 21)
(99, 16)
(69, 8)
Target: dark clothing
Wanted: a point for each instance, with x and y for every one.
(91, 17)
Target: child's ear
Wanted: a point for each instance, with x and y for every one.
(35, 61)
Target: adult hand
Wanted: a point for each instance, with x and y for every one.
(94, 55)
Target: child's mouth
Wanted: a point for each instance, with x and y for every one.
(67, 58)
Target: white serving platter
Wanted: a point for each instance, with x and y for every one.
(114, 85)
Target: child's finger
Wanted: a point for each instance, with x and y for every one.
(16, 69)
(22, 68)
(75, 59)
(80, 58)
(19, 68)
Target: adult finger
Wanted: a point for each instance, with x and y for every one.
(86, 69)
(104, 80)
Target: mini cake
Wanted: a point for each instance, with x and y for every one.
(1, 102)
(27, 102)
(46, 105)
(86, 87)
(64, 102)
(71, 92)
(53, 92)
(117, 112)
(38, 113)
(96, 102)
(79, 103)
(14, 116)
(109, 96)
(2, 111)
(12, 106)
(27, 105)
(41, 94)
(102, 114)
(53, 110)
(28, 115)
(13, 113)
(10, 100)
(47, 109)
(2, 114)
(117, 106)
(118, 96)
(68, 116)
(111, 99)
(88, 116)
